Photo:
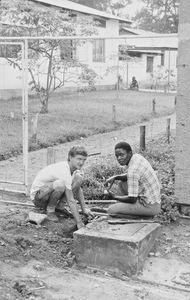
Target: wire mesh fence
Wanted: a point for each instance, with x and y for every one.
(78, 88)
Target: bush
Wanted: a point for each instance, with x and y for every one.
(95, 178)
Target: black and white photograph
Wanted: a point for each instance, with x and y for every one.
(94, 150)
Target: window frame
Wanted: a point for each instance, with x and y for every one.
(98, 56)
(149, 68)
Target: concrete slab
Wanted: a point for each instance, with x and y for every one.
(170, 272)
(47, 282)
(115, 247)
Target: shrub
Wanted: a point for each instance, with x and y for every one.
(96, 175)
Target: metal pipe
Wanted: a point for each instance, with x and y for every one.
(169, 70)
(12, 191)
(11, 43)
(25, 114)
(17, 203)
(73, 37)
(12, 182)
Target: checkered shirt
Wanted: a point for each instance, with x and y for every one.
(142, 180)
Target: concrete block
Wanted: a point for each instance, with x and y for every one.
(185, 210)
(122, 248)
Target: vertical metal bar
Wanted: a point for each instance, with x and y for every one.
(169, 71)
(23, 100)
(25, 116)
(117, 84)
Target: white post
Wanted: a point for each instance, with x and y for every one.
(169, 58)
(25, 113)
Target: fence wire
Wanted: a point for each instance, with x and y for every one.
(80, 91)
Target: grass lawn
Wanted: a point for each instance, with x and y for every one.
(73, 116)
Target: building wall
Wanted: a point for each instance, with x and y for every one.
(11, 80)
(106, 71)
(105, 74)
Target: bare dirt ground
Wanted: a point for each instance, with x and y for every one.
(39, 263)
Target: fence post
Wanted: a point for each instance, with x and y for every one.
(168, 129)
(175, 101)
(114, 114)
(50, 155)
(154, 106)
(142, 137)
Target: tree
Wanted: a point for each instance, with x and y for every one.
(111, 6)
(52, 60)
(158, 16)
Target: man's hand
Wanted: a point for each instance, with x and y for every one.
(87, 212)
(80, 225)
(110, 181)
(111, 195)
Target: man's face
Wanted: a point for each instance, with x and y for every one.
(77, 161)
(123, 157)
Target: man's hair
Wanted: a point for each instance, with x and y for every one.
(123, 145)
(77, 150)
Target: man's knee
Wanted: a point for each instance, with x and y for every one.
(59, 186)
(41, 201)
(112, 210)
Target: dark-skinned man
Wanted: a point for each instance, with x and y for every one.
(138, 189)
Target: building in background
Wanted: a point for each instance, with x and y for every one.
(98, 55)
(152, 59)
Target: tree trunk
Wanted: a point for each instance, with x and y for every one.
(44, 107)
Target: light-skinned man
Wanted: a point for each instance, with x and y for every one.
(55, 184)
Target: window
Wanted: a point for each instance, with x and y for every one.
(100, 22)
(68, 50)
(98, 50)
(162, 58)
(149, 64)
(9, 51)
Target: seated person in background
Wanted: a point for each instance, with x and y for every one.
(54, 185)
(134, 84)
(138, 189)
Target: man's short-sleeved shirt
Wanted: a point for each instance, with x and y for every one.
(49, 174)
(142, 179)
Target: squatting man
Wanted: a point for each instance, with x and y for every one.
(138, 189)
(55, 184)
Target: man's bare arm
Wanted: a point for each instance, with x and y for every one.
(125, 198)
(73, 207)
(80, 198)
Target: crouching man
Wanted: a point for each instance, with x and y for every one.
(54, 186)
(138, 189)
